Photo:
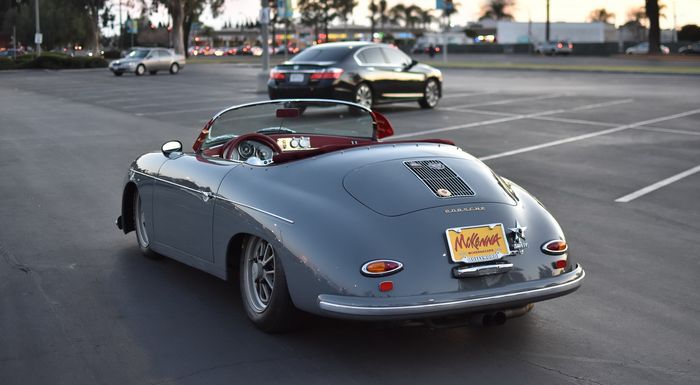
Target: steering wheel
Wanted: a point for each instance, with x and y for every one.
(230, 150)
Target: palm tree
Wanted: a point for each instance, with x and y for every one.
(449, 10)
(497, 10)
(653, 11)
(383, 16)
(373, 9)
(344, 10)
(425, 17)
(406, 14)
(600, 14)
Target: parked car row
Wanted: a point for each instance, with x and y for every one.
(245, 49)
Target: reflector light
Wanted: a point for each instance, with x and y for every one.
(276, 75)
(382, 267)
(328, 73)
(386, 286)
(555, 247)
(560, 45)
(560, 264)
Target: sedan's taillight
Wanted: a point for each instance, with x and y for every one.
(276, 75)
(328, 73)
(555, 247)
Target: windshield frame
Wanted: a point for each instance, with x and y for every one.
(199, 142)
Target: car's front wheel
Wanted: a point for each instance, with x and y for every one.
(142, 237)
(264, 287)
(118, 73)
(140, 70)
(431, 95)
(363, 95)
(174, 68)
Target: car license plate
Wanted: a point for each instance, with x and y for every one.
(477, 243)
(296, 78)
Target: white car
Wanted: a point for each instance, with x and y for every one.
(643, 49)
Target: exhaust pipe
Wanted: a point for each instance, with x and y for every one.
(500, 317)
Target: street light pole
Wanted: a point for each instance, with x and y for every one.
(37, 37)
(546, 32)
(264, 21)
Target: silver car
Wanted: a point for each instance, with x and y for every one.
(140, 60)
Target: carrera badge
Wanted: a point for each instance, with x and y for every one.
(444, 193)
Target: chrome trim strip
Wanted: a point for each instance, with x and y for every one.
(479, 271)
(399, 95)
(254, 208)
(208, 195)
(450, 305)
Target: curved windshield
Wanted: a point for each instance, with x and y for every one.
(292, 117)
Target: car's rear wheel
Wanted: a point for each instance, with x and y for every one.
(118, 73)
(174, 68)
(363, 95)
(264, 287)
(140, 70)
(142, 238)
(431, 95)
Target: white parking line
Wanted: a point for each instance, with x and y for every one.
(657, 185)
(668, 130)
(591, 135)
(511, 117)
(505, 101)
(464, 94)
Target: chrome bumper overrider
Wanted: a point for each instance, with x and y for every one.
(426, 306)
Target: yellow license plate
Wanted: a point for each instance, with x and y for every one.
(477, 243)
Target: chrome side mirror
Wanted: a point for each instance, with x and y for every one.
(170, 147)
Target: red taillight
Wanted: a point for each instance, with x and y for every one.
(381, 267)
(276, 75)
(560, 45)
(555, 247)
(386, 286)
(571, 45)
(328, 73)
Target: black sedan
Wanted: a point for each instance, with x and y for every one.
(360, 72)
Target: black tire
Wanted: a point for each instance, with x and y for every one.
(140, 70)
(275, 313)
(118, 73)
(174, 68)
(152, 72)
(431, 94)
(364, 95)
(142, 238)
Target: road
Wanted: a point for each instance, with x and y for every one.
(613, 157)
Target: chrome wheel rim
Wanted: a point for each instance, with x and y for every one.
(259, 274)
(432, 93)
(142, 235)
(363, 96)
(174, 68)
(140, 70)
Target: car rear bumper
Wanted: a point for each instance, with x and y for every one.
(451, 303)
(308, 91)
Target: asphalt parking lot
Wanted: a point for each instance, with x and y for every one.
(615, 157)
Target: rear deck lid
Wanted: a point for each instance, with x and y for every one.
(401, 186)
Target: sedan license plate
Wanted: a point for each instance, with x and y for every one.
(296, 78)
(477, 243)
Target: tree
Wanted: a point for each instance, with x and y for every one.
(497, 10)
(409, 15)
(62, 22)
(373, 10)
(601, 15)
(426, 17)
(690, 32)
(652, 11)
(449, 10)
(184, 13)
(344, 9)
(316, 13)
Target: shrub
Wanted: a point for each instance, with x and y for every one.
(53, 61)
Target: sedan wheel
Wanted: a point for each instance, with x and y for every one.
(142, 237)
(174, 68)
(431, 95)
(363, 95)
(140, 70)
(264, 287)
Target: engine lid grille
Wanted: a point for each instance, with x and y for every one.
(439, 178)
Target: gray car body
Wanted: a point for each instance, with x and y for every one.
(157, 60)
(329, 214)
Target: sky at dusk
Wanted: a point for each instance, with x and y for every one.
(686, 11)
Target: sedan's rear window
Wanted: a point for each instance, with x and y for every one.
(320, 54)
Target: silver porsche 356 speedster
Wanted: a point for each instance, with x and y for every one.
(305, 204)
